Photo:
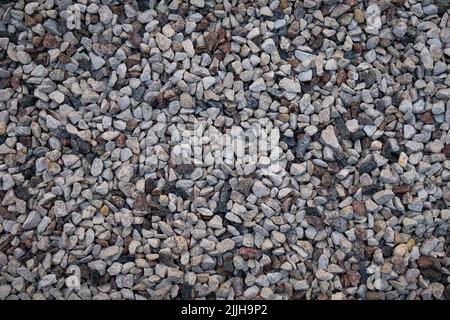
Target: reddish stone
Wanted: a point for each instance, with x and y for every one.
(121, 140)
(359, 208)
(102, 243)
(249, 253)
(132, 124)
(50, 41)
(293, 29)
(135, 39)
(71, 50)
(294, 63)
(427, 117)
(424, 262)
(351, 279)
(315, 221)
(401, 189)
(140, 203)
(341, 77)
(15, 82)
(119, 10)
(357, 47)
(202, 25)
(211, 40)
(221, 35)
(324, 78)
(225, 47)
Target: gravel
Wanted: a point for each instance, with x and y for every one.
(224, 150)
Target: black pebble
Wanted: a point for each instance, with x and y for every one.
(339, 224)
(150, 185)
(224, 197)
(186, 291)
(125, 259)
(431, 274)
(367, 167)
(22, 193)
(357, 135)
(94, 277)
(342, 128)
(290, 141)
(228, 265)
(252, 103)
(312, 211)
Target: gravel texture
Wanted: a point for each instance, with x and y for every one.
(350, 201)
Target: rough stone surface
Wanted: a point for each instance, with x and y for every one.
(225, 150)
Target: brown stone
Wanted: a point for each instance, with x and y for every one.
(316, 43)
(132, 124)
(211, 40)
(401, 189)
(225, 47)
(293, 108)
(102, 243)
(15, 82)
(104, 210)
(50, 41)
(284, 117)
(315, 221)
(327, 180)
(71, 50)
(221, 36)
(185, 168)
(359, 208)
(283, 4)
(324, 78)
(135, 39)
(121, 140)
(140, 202)
(29, 21)
(36, 41)
(63, 58)
(341, 77)
(286, 205)
(249, 253)
(351, 278)
(293, 29)
(294, 62)
(42, 58)
(358, 14)
(202, 25)
(357, 47)
(424, 262)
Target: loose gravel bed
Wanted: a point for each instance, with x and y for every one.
(352, 202)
